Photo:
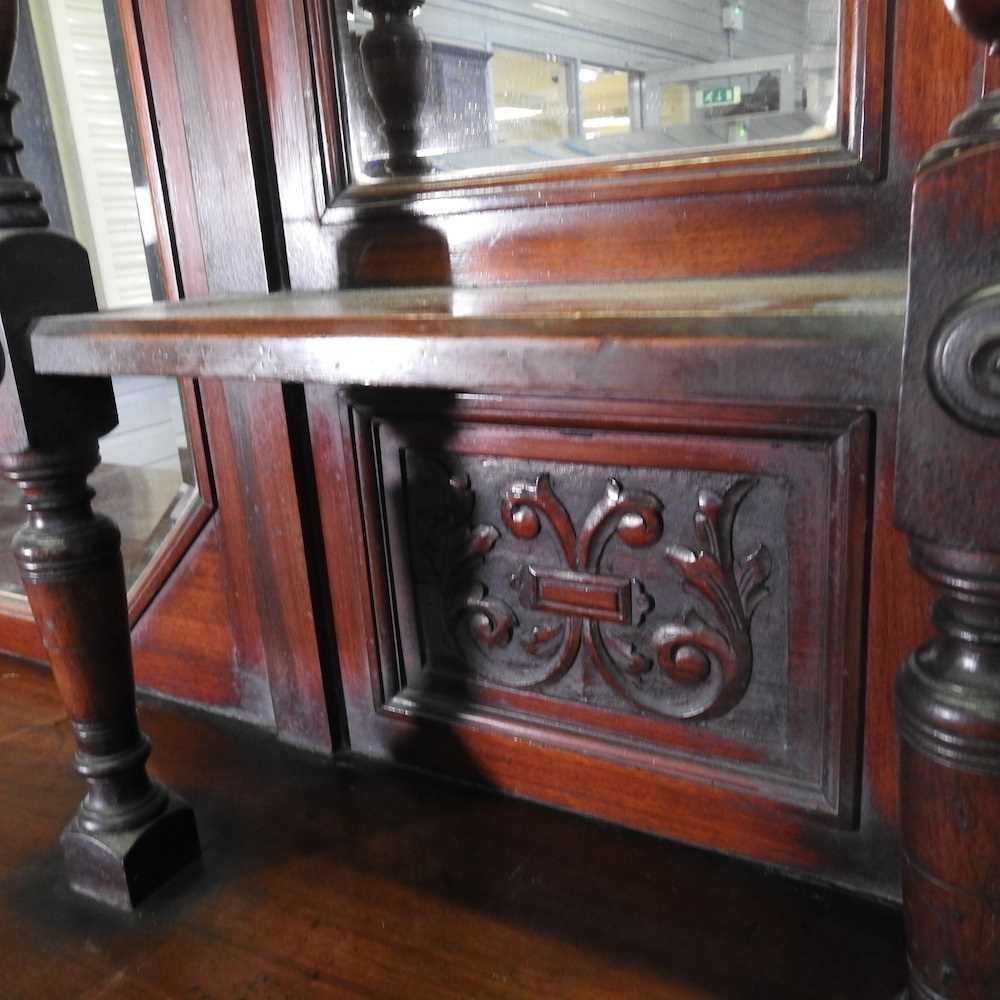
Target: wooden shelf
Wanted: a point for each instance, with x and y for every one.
(835, 339)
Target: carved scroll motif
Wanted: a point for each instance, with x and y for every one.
(713, 664)
(697, 667)
(457, 545)
(706, 668)
(578, 591)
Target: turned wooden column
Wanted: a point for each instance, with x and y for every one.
(129, 834)
(948, 501)
(396, 60)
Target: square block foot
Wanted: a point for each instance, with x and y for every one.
(121, 869)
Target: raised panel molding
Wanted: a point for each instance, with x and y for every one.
(680, 596)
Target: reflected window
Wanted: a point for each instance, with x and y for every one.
(606, 102)
(82, 149)
(575, 80)
(531, 98)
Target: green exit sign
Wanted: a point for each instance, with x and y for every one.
(718, 97)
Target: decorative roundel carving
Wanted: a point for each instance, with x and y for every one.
(965, 362)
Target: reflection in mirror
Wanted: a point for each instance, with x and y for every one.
(487, 85)
(78, 126)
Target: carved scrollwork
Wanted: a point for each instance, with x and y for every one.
(713, 664)
(579, 591)
(584, 613)
(704, 670)
(455, 545)
(491, 622)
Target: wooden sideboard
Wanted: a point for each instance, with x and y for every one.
(626, 548)
(607, 548)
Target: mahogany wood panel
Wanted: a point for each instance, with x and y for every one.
(947, 482)
(700, 342)
(528, 581)
(185, 647)
(494, 737)
(193, 61)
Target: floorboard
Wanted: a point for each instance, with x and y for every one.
(323, 880)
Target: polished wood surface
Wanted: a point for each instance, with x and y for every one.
(129, 834)
(801, 343)
(771, 339)
(140, 501)
(786, 795)
(382, 884)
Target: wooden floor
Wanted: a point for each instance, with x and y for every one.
(334, 881)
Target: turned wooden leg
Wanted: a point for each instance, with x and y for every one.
(948, 501)
(948, 714)
(129, 834)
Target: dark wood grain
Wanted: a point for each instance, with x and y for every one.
(689, 343)
(486, 734)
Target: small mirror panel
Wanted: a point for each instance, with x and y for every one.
(452, 87)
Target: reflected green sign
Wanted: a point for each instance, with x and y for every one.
(718, 97)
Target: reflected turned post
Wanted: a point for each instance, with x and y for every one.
(947, 495)
(129, 834)
(396, 60)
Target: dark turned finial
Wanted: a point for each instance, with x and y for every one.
(20, 200)
(396, 59)
(981, 123)
(980, 18)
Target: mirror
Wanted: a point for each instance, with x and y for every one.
(468, 86)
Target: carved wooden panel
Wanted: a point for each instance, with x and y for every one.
(555, 582)
(615, 582)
